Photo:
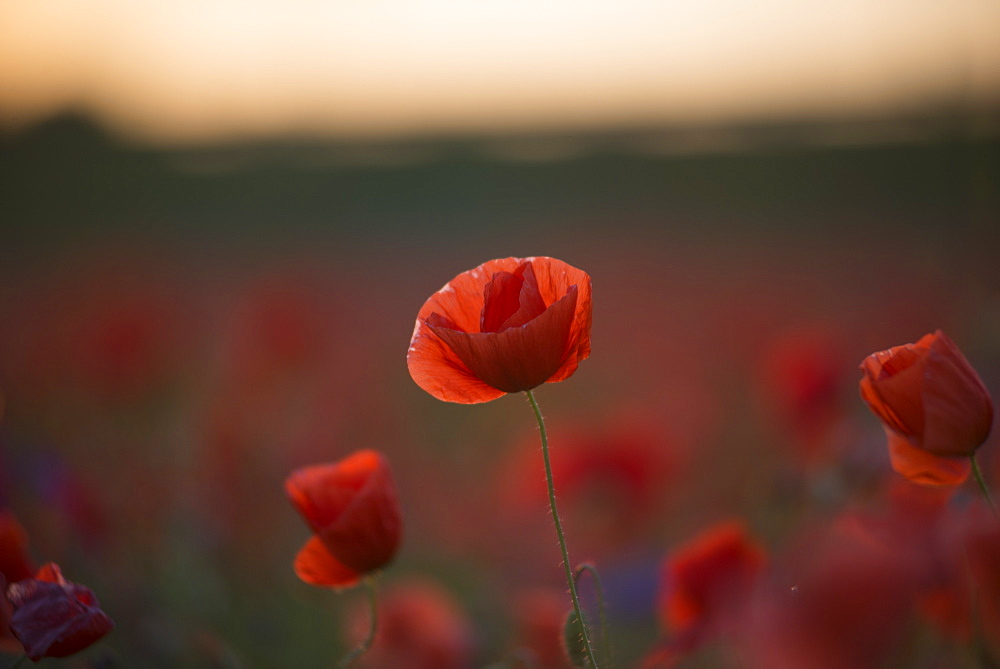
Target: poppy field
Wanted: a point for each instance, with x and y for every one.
(764, 410)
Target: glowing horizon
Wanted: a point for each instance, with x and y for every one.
(200, 69)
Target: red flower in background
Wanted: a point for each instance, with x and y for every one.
(420, 626)
(14, 561)
(539, 625)
(15, 565)
(934, 407)
(352, 507)
(838, 599)
(708, 576)
(53, 617)
(614, 478)
(506, 326)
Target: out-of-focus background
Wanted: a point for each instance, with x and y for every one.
(220, 219)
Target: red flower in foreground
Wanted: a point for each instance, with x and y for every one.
(506, 326)
(934, 407)
(706, 577)
(352, 507)
(53, 617)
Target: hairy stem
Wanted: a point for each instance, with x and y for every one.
(601, 608)
(559, 530)
(982, 484)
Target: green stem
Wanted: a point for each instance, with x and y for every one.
(559, 530)
(982, 484)
(601, 609)
(349, 659)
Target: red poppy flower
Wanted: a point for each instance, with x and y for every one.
(934, 407)
(508, 325)
(713, 572)
(53, 617)
(352, 507)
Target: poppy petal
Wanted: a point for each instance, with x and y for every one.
(320, 493)
(922, 467)
(554, 280)
(519, 358)
(316, 565)
(366, 535)
(461, 299)
(892, 387)
(54, 618)
(958, 408)
(513, 301)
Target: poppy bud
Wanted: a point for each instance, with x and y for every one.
(934, 407)
(352, 507)
(506, 326)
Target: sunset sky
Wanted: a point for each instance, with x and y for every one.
(192, 70)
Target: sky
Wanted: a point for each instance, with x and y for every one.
(194, 70)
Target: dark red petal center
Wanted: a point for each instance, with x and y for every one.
(900, 360)
(511, 299)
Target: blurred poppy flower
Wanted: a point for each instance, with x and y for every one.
(612, 476)
(836, 600)
(539, 617)
(15, 564)
(352, 507)
(934, 407)
(420, 626)
(708, 576)
(53, 617)
(802, 379)
(506, 326)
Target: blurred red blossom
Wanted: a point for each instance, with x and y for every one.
(420, 626)
(53, 617)
(934, 407)
(835, 599)
(506, 326)
(961, 597)
(707, 579)
(539, 617)
(612, 476)
(803, 378)
(352, 507)
(15, 564)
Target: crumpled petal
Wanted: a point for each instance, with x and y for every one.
(511, 299)
(919, 466)
(320, 493)
(519, 358)
(316, 565)
(893, 384)
(53, 617)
